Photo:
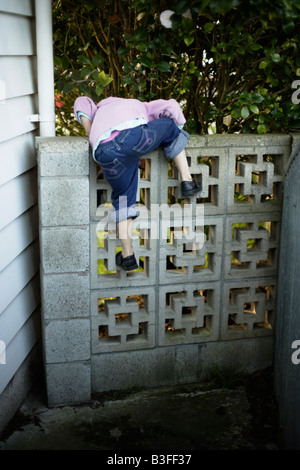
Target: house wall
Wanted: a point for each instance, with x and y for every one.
(19, 246)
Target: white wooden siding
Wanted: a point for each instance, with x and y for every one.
(15, 117)
(17, 33)
(19, 247)
(24, 67)
(16, 157)
(19, 7)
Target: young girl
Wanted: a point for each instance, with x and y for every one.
(120, 132)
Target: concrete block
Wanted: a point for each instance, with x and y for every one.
(188, 313)
(179, 364)
(249, 308)
(121, 370)
(66, 296)
(104, 245)
(65, 201)
(252, 245)
(239, 356)
(65, 249)
(194, 250)
(63, 156)
(67, 340)
(187, 364)
(123, 320)
(239, 140)
(68, 383)
(255, 178)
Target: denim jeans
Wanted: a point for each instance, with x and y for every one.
(119, 159)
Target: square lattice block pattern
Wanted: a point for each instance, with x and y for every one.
(147, 192)
(249, 308)
(104, 246)
(193, 250)
(65, 201)
(123, 320)
(255, 178)
(65, 249)
(207, 165)
(189, 313)
(65, 296)
(64, 156)
(252, 245)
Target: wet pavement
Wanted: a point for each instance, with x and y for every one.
(192, 417)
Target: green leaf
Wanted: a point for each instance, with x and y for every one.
(99, 89)
(102, 76)
(96, 60)
(123, 51)
(84, 60)
(163, 66)
(146, 62)
(188, 39)
(275, 57)
(68, 87)
(254, 109)
(263, 64)
(245, 112)
(257, 98)
(57, 61)
(262, 128)
(208, 27)
(86, 71)
(255, 47)
(236, 113)
(104, 79)
(288, 27)
(141, 35)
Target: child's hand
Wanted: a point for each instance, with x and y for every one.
(165, 114)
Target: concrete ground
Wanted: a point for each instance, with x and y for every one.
(186, 417)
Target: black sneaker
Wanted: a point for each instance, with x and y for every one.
(189, 188)
(129, 263)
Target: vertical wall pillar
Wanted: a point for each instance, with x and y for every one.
(65, 277)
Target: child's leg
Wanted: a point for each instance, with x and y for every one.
(124, 235)
(182, 166)
(126, 258)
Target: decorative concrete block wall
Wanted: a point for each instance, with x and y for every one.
(205, 291)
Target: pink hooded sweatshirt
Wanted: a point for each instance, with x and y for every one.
(116, 114)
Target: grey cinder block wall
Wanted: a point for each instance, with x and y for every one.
(206, 289)
(63, 167)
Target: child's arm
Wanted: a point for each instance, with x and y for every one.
(87, 124)
(166, 108)
(84, 111)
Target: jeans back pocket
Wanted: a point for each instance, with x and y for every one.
(114, 169)
(147, 141)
